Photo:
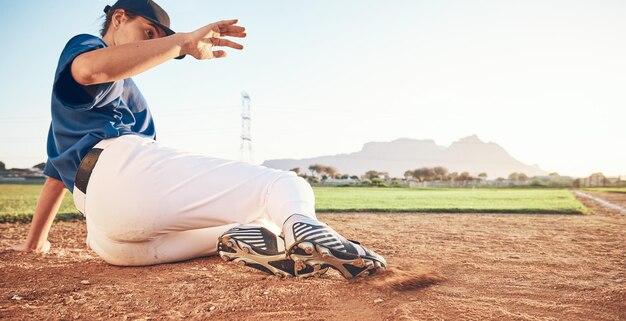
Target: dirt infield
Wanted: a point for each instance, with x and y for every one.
(615, 198)
(443, 267)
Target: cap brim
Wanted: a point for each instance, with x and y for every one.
(167, 30)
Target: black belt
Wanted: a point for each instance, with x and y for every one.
(85, 168)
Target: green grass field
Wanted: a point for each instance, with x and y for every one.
(500, 200)
(17, 201)
(621, 190)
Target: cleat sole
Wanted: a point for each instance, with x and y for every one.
(320, 257)
(239, 252)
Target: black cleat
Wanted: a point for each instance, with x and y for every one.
(259, 248)
(311, 243)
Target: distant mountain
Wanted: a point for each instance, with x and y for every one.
(395, 157)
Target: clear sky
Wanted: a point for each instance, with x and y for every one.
(544, 79)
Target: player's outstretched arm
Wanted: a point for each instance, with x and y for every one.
(47, 207)
(127, 60)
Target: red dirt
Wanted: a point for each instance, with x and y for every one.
(615, 198)
(442, 266)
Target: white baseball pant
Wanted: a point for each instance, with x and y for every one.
(146, 203)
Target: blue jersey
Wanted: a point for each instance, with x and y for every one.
(84, 115)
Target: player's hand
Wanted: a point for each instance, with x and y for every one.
(200, 43)
(24, 247)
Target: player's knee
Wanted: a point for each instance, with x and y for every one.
(303, 183)
(290, 182)
(303, 187)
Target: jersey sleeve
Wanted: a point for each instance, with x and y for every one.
(74, 95)
(50, 171)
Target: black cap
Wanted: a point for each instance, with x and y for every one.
(149, 10)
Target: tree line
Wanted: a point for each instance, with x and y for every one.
(422, 174)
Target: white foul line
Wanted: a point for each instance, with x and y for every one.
(602, 202)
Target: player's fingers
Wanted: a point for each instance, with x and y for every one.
(225, 42)
(231, 29)
(238, 35)
(219, 54)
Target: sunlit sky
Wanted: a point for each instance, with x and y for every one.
(544, 79)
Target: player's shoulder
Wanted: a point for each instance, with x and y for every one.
(84, 39)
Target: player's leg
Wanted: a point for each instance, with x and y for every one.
(171, 247)
(140, 191)
(264, 248)
(155, 189)
(312, 245)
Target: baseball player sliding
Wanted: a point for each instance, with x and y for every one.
(146, 203)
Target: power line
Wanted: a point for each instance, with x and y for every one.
(245, 148)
